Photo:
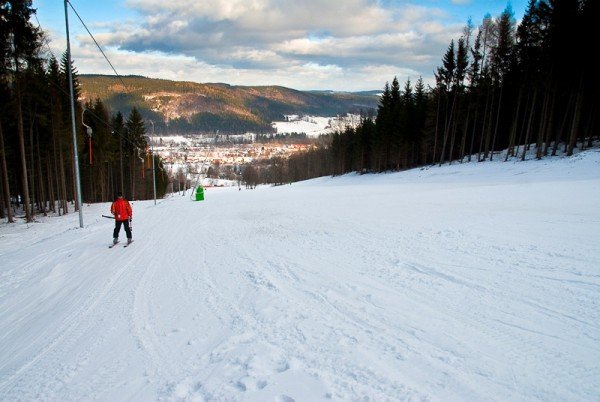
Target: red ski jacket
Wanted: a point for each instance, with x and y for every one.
(121, 209)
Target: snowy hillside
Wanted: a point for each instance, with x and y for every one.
(466, 282)
(314, 126)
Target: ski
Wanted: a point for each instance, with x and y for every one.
(112, 245)
(128, 243)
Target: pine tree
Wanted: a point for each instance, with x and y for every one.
(25, 45)
(384, 128)
(462, 63)
(407, 122)
(503, 51)
(60, 137)
(394, 132)
(446, 73)
(476, 56)
(4, 100)
(421, 106)
(134, 145)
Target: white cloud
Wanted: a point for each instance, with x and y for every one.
(310, 44)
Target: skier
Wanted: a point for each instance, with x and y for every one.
(121, 209)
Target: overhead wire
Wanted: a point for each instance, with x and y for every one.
(99, 47)
(98, 118)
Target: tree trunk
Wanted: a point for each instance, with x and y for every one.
(550, 124)
(21, 134)
(523, 125)
(529, 123)
(463, 141)
(132, 175)
(497, 121)
(42, 191)
(488, 126)
(6, 183)
(31, 169)
(63, 177)
(454, 129)
(589, 128)
(474, 130)
(513, 131)
(447, 129)
(483, 126)
(437, 121)
(542, 129)
(562, 126)
(452, 140)
(576, 119)
(51, 190)
(3, 207)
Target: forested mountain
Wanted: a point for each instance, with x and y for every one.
(194, 107)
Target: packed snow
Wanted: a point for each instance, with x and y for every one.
(475, 281)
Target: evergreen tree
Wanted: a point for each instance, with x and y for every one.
(25, 42)
(395, 131)
(421, 107)
(446, 73)
(61, 139)
(503, 51)
(134, 146)
(462, 62)
(477, 56)
(384, 129)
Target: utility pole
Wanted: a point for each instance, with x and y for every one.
(73, 129)
(121, 161)
(152, 150)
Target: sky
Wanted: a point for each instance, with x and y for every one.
(342, 45)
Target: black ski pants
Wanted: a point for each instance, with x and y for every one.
(118, 229)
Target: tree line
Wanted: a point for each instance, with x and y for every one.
(37, 170)
(529, 89)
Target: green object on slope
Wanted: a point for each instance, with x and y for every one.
(200, 193)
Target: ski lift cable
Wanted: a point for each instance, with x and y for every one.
(111, 66)
(94, 115)
(99, 47)
(61, 89)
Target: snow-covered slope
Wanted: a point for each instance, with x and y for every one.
(466, 282)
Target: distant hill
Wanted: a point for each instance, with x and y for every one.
(180, 107)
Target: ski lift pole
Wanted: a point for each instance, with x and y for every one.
(199, 175)
(152, 150)
(74, 131)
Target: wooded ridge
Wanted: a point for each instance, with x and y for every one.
(196, 107)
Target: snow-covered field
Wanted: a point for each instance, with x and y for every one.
(466, 282)
(314, 126)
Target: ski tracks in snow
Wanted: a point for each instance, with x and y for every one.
(343, 289)
(297, 327)
(238, 356)
(42, 356)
